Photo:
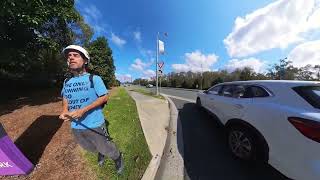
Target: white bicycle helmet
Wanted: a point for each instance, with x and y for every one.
(78, 48)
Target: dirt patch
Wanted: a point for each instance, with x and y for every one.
(44, 139)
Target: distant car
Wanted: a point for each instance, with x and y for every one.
(271, 121)
(149, 85)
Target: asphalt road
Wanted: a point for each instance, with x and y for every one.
(206, 155)
(190, 95)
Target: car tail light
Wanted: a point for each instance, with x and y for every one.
(309, 128)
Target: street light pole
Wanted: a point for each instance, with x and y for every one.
(157, 90)
(201, 77)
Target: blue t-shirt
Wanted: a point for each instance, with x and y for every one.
(79, 94)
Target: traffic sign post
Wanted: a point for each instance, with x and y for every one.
(160, 50)
(160, 72)
(160, 64)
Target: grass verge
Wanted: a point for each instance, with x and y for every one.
(126, 131)
(148, 93)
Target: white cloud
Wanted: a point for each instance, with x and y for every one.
(93, 11)
(137, 36)
(117, 40)
(149, 73)
(306, 53)
(256, 64)
(180, 67)
(124, 77)
(93, 16)
(196, 62)
(146, 53)
(139, 65)
(276, 25)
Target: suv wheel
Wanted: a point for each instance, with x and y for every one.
(245, 145)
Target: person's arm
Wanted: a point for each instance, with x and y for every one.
(64, 110)
(64, 105)
(80, 112)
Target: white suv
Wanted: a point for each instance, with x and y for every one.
(272, 121)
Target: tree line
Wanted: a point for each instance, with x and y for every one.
(282, 71)
(32, 36)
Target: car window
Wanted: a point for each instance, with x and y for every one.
(309, 93)
(257, 91)
(214, 90)
(239, 91)
(227, 90)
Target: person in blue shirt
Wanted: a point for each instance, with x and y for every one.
(83, 98)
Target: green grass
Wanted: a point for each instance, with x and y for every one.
(126, 131)
(148, 93)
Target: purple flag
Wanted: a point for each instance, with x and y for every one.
(12, 161)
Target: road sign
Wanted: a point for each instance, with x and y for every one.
(160, 64)
(160, 72)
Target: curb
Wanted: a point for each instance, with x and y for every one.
(154, 164)
(172, 163)
(168, 164)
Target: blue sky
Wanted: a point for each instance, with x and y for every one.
(205, 35)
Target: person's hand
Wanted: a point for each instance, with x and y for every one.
(65, 117)
(77, 113)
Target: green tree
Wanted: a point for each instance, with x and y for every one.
(32, 35)
(102, 60)
(246, 74)
(317, 72)
(82, 32)
(217, 81)
(305, 73)
(285, 70)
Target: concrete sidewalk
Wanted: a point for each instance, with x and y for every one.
(154, 116)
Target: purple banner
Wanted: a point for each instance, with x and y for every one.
(12, 161)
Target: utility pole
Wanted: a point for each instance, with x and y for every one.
(157, 60)
(201, 77)
(160, 85)
(157, 88)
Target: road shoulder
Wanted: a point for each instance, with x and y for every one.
(172, 163)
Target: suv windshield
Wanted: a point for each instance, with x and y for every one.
(310, 93)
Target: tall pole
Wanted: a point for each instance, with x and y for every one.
(201, 77)
(160, 85)
(157, 93)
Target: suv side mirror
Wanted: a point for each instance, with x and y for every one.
(206, 91)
